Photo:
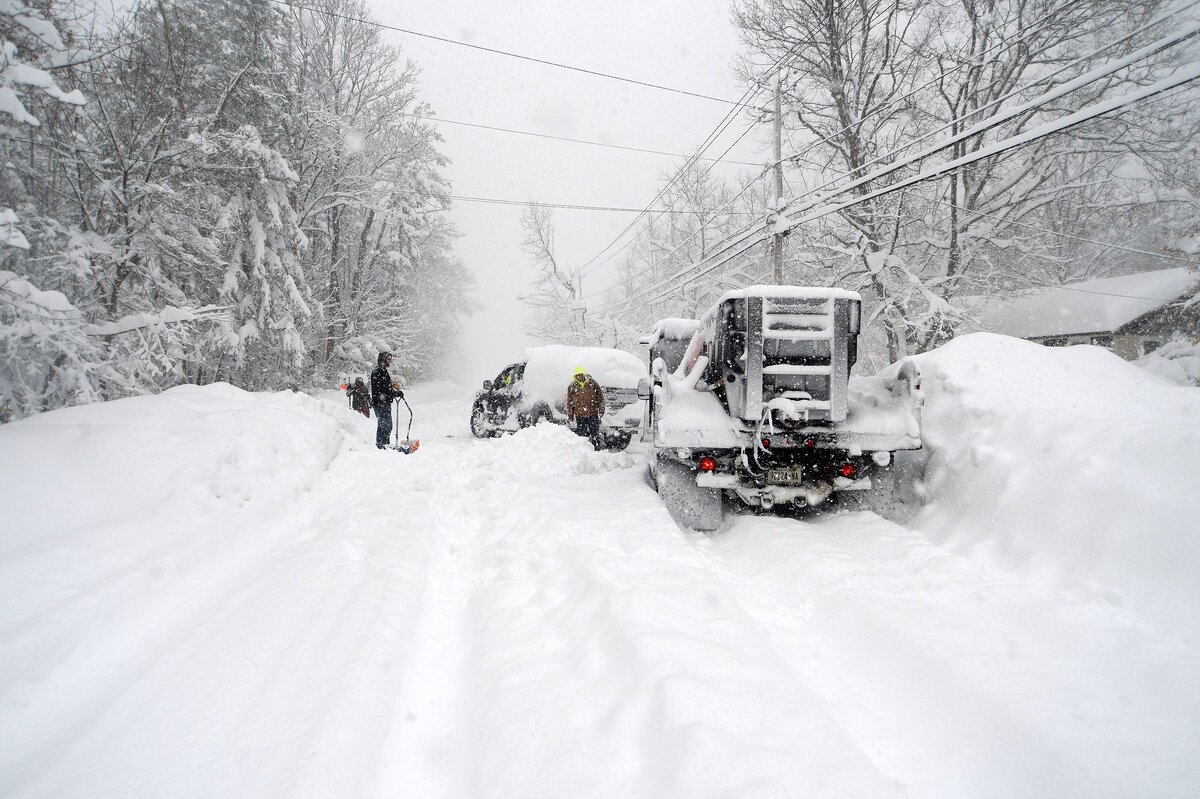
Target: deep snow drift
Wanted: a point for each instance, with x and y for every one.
(1070, 467)
(216, 593)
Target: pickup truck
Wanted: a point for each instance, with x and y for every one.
(534, 390)
(754, 402)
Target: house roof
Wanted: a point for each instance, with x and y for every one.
(1093, 306)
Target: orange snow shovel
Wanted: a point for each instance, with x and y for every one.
(409, 445)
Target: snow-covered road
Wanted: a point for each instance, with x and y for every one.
(520, 617)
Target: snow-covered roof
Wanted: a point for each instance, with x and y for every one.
(1093, 306)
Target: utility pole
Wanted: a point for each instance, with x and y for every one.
(778, 243)
(578, 303)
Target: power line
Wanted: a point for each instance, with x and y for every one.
(1002, 116)
(724, 260)
(1003, 42)
(693, 235)
(1016, 38)
(458, 197)
(1181, 77)
(1105, 244)
(751, 91)
(569, 206)
(596, 73)
(731, 240)
(798, 156)
(720, 128)
(671, 207)
(441, 120)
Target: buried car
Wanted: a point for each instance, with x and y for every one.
(534, 390)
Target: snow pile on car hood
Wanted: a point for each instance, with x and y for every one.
(549, 370)
(1070, 466)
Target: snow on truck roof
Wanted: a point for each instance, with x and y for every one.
(549, 369)
(797, 292)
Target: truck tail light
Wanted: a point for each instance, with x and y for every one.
(708, 464)
(810, 442)
(848, 470)
(766, 443)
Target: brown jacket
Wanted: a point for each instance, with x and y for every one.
(584, 400)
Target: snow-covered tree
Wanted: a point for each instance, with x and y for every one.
(558, 314)
(867, 85)
(247, 196)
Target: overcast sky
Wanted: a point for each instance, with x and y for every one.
(689, 44)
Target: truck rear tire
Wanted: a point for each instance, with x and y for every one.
(690, 505)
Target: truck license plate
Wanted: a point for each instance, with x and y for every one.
(785, 476)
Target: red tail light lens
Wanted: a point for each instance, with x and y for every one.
(810, 442)
(708, 464)
(766, 442)
(848, 470)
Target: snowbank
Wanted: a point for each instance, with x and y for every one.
(1177, 361)
(548, 452)
(1069, 466)
(90, 464)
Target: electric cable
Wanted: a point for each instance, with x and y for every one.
(509, 54)
(799, 155)
(999, 118)
(1181, 77)
(1105, 244)
(442, 120)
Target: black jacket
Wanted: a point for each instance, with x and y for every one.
(360, 396)
(382, 392)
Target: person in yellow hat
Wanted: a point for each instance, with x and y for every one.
(585, 406)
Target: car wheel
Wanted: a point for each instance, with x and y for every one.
(479, 424)
(540, 414)
(618, 441)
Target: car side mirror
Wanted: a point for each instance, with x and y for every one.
(645, 387)
(487, 385)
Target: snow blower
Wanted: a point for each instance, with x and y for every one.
(409, 445)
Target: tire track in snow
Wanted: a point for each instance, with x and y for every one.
(430, 748)
(306, 646)
(63, 705)
(650, 692)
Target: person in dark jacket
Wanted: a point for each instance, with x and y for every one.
(360, 397)
(585, 406)
(383, 392)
